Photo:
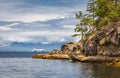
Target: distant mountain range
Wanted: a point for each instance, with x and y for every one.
(18, 46)
(38, 50)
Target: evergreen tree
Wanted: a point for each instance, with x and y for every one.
(91, 9)
(106, 12)
(81, 28)
(100, 13)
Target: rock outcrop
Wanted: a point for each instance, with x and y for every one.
(52, 56)
(105, 41)
(102, 46)
(72, 47)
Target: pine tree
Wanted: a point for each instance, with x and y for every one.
(106, 12)
(81, 28)
(91, 9)
(100, 13)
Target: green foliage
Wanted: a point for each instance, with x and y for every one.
(91, 10)
(100, 13)
(74, 35)
(85, 26)
(107, 11)
(82, 26)
(79, 15)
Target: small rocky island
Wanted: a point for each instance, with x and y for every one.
(102, 47)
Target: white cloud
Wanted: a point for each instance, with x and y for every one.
(8, 27)
(13, 24)
(68, 26)
(4, 43)
(4, 28)
(32, 17)
(45, 42)
(62, 40)
(40, 32)
(13, 11)
(55, 23)
(19, 39)
(39, 17)
(37, 36)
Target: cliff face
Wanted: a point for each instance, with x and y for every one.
(105, 41)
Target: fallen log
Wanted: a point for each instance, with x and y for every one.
(96, 59)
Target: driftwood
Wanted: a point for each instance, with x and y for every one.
(98, 59)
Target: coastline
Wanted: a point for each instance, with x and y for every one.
(100, 47)
(103, 60)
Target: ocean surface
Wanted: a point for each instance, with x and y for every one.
(21, 65)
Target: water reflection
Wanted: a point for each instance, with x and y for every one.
(39, 68)
(97, 70)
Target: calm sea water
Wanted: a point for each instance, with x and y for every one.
(21, 65)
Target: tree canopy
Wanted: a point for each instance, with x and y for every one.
(100, 13)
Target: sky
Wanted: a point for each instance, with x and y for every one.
(38, 24)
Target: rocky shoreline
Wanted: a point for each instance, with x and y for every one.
(52, 56)
(103, 47)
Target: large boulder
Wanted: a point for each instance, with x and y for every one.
(72, 47)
